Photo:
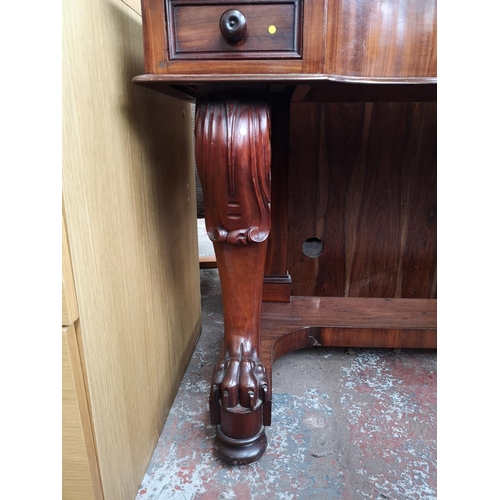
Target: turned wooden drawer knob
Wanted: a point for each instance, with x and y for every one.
(233, 25)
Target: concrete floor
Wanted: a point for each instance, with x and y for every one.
(348, 425)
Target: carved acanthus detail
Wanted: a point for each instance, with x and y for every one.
(233, 155)
(238, 236)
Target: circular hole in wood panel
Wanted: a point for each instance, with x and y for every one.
(312, 247)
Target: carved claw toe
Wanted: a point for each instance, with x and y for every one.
(217, 378)
(248, 384)
(229, 385)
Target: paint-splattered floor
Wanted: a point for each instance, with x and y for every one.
(345, 425)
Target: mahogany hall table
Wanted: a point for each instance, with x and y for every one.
(335, 101)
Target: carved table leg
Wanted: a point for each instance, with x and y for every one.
(233, 155)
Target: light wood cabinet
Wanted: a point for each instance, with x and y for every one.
(81, 479)
(131, 313)
(69, 304)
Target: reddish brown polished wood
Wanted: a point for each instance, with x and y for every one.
(159, 62)
(195, 30)
(381, 39)
(388, 40)
(352, 322)
(351, 86)
(363, 181)
(277, 281)
(233, 155)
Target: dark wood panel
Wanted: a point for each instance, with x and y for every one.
(371, 92)
(417, 273)
(383, 38)
(277, 251)
(362, 180)
(317, 194)
(304, 164)
(188, 21)
(374, 248)
(276, 288)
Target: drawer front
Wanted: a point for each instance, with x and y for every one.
(270, 30)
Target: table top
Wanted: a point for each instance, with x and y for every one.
(297, 42)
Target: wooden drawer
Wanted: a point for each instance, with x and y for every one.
(273, 29)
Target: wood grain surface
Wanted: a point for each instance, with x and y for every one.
(233, 156)
(363, 181)
(346, 322)
(383, 38)
(361, 178)
(156, 47)
(80, 471)
(276, 258)
(389, 39)
(351, 312)
(128, 180)
(277, 282)
(135, 5)
(69, 302)
(187, 21)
